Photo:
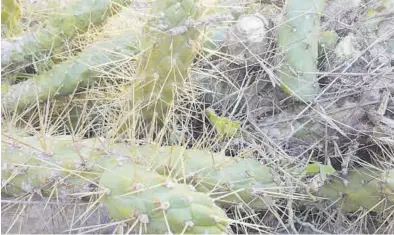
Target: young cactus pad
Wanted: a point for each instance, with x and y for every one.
(75, 17)
(224, 126)
(298, 37)
(64, 78)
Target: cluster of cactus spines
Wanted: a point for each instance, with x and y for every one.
(158, 205)
(66, 77)
(75, 17)
(298, 37)
(168, 43)
(361, 188)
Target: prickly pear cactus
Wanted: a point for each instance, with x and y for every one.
(232, 181)
(169, 43)
(361, 188)
(152, 204)
(56, 167)
(66, 77)
(48, 166)
(298, 37)
(148, 184)
(75, 17)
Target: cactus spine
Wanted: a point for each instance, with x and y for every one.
(298, 37)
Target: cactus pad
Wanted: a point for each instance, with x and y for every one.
(75, 17)
(298, 38)
(231, 181)
(169, 46)
(361, 188)
(65, 77)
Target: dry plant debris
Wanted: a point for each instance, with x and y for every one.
(197, 116)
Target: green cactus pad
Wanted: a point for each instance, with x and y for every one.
(224, 126)
(231, 181)
(159, 206)
(298, 38)
(169, 46)
(60, 166)
(76, 17)
(361, 188)
(66, 77)
(41, 165)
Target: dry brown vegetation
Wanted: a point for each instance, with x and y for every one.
(348, 125)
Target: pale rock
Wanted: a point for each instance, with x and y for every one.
(247, 39)
(346, 49)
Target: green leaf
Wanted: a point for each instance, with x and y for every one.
(224, 126)
(326, 170)
(316, 168)
(312, 168)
